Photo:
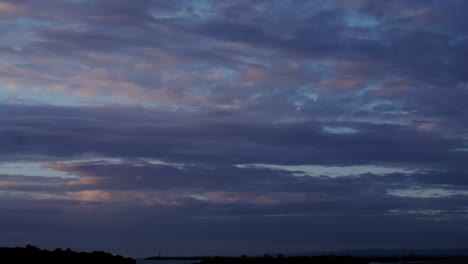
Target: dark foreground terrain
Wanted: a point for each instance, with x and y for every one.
(328, 259)
(31, 255)
(287, 260)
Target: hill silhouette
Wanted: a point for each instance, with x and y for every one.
(32, 254)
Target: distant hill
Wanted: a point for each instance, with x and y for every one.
(31, 254)
(452, 252)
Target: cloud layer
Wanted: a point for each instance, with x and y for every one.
(226, 128)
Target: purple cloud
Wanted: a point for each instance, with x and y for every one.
(201, 125)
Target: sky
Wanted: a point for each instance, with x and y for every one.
(233, 127)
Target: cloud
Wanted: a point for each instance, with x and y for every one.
(9, 8)
(152, 118)
(215, 198)
(69, 132)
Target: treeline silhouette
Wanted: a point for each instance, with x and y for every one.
(32, 254)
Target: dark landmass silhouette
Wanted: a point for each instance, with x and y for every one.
(285, 260)
(328, 259)
(432, 252)
(32, 254)
(268, 259)
(453, 256)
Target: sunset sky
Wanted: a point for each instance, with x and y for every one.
(233, 127)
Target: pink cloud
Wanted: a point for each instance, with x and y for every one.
(348, 75)
(87, 83)
(215, 76)
(90, 196)
(392, 89)
(10, 9)
(236, 197)
(255, 73)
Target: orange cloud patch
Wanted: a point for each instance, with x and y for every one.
(216, 76)
(87, 83)
(84, 180)
(10, 8)
(256, 74)
(90, 196)
(70, 169)
(391, 90)
(342, 83)
(348, 75)
(222, 197)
